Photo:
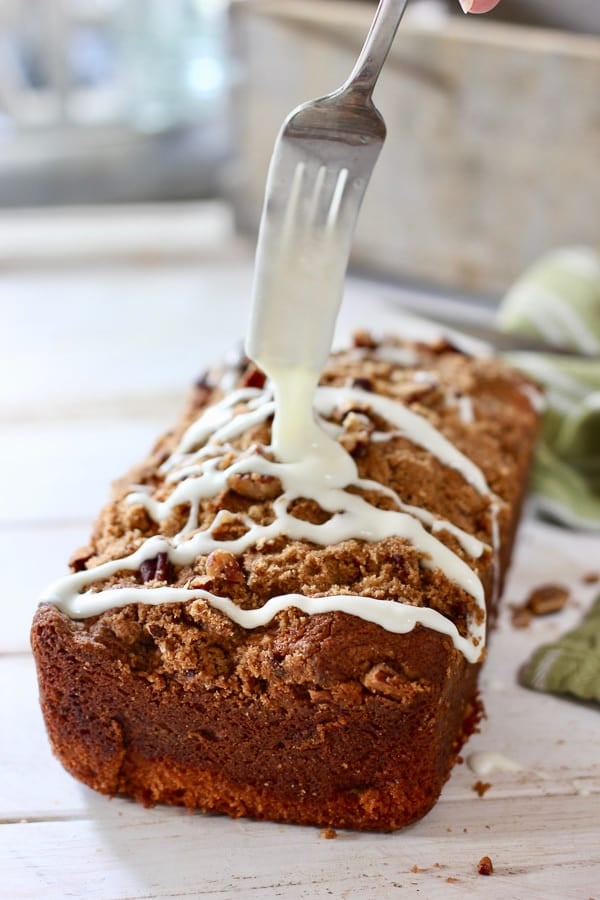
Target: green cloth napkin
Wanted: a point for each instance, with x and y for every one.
(571, 665)
(558, 299)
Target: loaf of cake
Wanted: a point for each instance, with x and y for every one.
(239, 637)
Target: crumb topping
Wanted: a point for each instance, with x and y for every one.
(391, 569)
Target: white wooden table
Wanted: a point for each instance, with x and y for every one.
(97, 351)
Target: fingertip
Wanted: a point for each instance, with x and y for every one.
(479, 6)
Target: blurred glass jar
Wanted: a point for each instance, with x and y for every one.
(148, 62)
(174, 59)
(111, 99)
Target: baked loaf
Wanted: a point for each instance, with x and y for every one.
(215, 648)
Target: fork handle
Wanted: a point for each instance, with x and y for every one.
(376, 47)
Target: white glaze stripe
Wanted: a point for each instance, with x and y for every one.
(357, 519)
(398, 618)
(470, 544)
(212, 422)
(413, 426)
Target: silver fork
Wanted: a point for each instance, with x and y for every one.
(321, 164)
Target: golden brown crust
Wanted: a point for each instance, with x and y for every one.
(322, 719)
(356, 735)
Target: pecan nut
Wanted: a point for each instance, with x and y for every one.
(220, 564)
(254, 486)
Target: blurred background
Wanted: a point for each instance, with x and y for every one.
(493, 121)
(112, 100)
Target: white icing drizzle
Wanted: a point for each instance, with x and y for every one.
(399, 618)
(310, 463)
(409, 424)
(220, 423)
(422, 376)
(495, 530)
(470, 544)
(399, 356)
(487, 761)
(465, 409)
(464, 405)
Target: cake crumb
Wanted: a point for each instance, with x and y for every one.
(480, 787)
(451, 880)
(591, 578)
(328, 834)
(415, 869)
(485, 866)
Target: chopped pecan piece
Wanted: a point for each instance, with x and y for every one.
(363, 384)
(148, 570)
(80, 557)
(357, 421)
(481, 787)
(255, 486)
(204, 382)
(485, 866)
(382, 679)
(357, 434)
(355, 444)
(439, 345)
(410, 391)
(591, 578)
(229, 527)
(549, 598)
(543, 601)
(253, 377)
(156, 630)
(203, 388)
(224, 565)
(520, 616)
(163, 568)
(157, 569)
(364, 339)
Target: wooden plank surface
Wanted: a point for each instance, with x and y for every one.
(478, 175)
(98, 361)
